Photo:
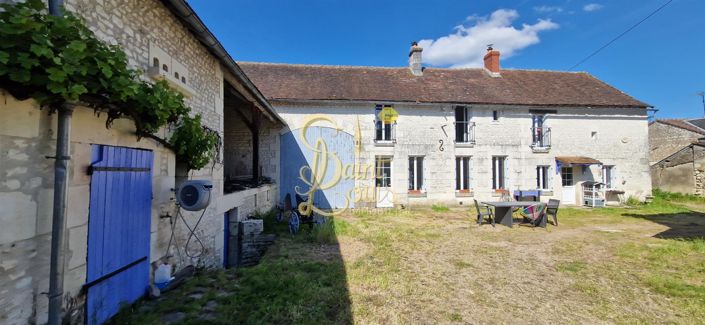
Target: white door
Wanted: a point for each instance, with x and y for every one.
(383, 182)
(568, 196)
(568, 193)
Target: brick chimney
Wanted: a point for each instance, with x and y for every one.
(415, 59)
(492, 61)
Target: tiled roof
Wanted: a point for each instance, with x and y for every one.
(437, 85)
(683, 124)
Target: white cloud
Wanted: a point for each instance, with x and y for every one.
(466, 47)
(548, 9)
(592, 7)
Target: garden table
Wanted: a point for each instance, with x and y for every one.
(503, 210)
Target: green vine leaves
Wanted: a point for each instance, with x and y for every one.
(58, 60)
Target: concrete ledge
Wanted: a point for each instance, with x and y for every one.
(232, 200)
(464, 194)
(464, 144)
(540, 149)
(384, 143)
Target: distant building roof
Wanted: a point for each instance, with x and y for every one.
(437, 85)
(688, 125)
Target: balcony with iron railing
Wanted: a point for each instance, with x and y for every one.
(541, 139)
(385, 133)
(464, 133)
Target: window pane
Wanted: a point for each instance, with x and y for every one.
(500, 169)
(457, 173)
(419, 173)
(494, 172)
(567, 176)
(411, 173)
(466, 173)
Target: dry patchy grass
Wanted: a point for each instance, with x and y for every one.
(612, 265)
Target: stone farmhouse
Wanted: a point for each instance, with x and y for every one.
(166, 40)
(460, 134)
(389, 137)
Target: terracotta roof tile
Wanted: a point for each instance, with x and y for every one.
(437, 85)
(577, 160)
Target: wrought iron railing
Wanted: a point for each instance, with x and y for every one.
(465, 132)
(541, 137)
(385, 132)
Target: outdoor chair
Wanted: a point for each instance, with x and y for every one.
(481, 215)
(535, 215)
(552, 209)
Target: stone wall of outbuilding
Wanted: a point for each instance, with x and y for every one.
(28, 134)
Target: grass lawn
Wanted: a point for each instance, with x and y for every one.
(644, 264)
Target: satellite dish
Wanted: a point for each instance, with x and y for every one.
(194, 195)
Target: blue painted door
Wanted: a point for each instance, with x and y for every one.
(295, 155)
(118, 229)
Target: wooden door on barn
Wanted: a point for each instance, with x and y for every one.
(118, 229)
(295, 155)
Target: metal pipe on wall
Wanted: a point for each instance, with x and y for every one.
(58, 224)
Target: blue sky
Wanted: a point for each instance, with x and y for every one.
(661, 62)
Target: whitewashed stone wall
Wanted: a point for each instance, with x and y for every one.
(620, 139)
(28, 134)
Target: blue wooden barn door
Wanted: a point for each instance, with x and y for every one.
(118, 229)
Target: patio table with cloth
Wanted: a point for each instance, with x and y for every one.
(503, 210)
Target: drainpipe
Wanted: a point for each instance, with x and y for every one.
(58, 223)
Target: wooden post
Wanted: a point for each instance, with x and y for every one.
(256, 123)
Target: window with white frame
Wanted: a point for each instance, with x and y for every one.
(384, 131)
(608, 173)
(383, 171)
(462, 173)
(499, 172)
(415, 173)
(567, 176)
(543, 177)
(463, 127)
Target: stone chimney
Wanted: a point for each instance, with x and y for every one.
(492, 61)
(415, 59)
